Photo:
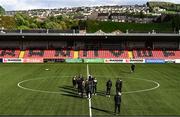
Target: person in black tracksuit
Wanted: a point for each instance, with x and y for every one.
(133, 68)
(94, 86)
(89, 89)
(74, 81)
(118, 85)
(90, 78)
(79, 85)
(108, 87)
(86, 87)
(82, 88)
(117, 100)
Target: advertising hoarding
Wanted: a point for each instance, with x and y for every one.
(134, 60)
(73, 60)
(170, 60)
(113, 61)
(12, 60)
(177, 60)
(154, 60)
(33, 60)
(93, 60)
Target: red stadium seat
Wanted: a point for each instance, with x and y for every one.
(103, 54)
(9, 53)
(49, 54)
(123, 54)
(158, 54)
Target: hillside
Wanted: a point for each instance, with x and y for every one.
(165, 5)
(7, 22)
(92, 26)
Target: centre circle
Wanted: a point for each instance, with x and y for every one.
(57, 81)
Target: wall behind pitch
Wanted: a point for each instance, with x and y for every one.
(177, 61)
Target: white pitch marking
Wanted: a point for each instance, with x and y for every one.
(90, 111)
(137, 91)
(36, 90)
(53, 92)
(144, 90)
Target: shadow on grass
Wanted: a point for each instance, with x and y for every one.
(101, 93)
(102, 110)
(71, 95)
(69, 91)
(66, 87)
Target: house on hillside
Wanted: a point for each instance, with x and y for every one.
(103, 16)
(117, 17)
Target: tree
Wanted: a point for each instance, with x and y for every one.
(141, 15)
(33, 26)
(59, 18)
(2, 10)
(21, 19)
(52, 18)
(63, 25)
(7, 22)
(82, 25)
(25, 21)
(176, 23)
(22, 27)
(53, 25)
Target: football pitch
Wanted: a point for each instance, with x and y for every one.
(30, 89)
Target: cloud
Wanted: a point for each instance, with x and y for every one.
(37, 4)
(17, 4)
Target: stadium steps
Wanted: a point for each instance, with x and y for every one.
(130, 54)
(22, 53)
(76, 54)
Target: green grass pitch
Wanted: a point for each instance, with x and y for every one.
(51, 93)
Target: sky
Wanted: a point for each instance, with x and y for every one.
(38, 4)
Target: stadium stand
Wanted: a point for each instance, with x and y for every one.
(9, 53)
(156, 54)
(103, 54)
(63, 53)
(48, 54)
(58, 44)
(34, 54)
(171, 54)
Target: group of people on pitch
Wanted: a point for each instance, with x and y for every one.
(117, 97)
(87, 87)
(118, 86)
